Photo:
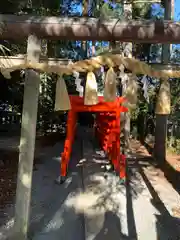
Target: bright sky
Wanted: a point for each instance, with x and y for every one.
(177, 10)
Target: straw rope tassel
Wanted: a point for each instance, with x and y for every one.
(62, 102)
(131, 91)
(163, 105)
(6, 73)
(91, 92)
(132, 64)
(110, 86)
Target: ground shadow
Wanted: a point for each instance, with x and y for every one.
(111, 228)
(9, 153)
(148, 147)
(50, 217)
(132, 233)
(170, 173)
(112, 190)
(167, 226)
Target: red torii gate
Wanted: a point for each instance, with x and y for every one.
(108, 131)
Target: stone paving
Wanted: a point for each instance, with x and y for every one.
(92, 204)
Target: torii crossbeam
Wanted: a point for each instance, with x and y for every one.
(79, 28)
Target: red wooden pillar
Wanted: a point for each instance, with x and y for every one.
(65, 156)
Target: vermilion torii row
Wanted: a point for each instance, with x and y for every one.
(107, 129)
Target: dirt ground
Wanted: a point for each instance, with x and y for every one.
(9, 165)
(172, 158)
(171, 170)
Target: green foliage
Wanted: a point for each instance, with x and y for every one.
(11, 92)
(10, 7)
(175, 98)
(173, 144)
(174, 134)
(70, 83)
(47, 118)
(108, 11)
(142, 10)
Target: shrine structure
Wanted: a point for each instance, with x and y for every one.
(107, 128)
(37, 28)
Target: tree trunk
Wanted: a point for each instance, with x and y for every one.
(160, 138)
(161, 120)
(141, 127)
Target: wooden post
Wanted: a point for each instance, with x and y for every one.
(27, 143)
(85, 14)
(166, 48)
(127, 53)
(161, 119)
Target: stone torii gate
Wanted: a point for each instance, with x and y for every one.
(21, 27)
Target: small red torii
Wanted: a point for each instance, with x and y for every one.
(107, 130)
